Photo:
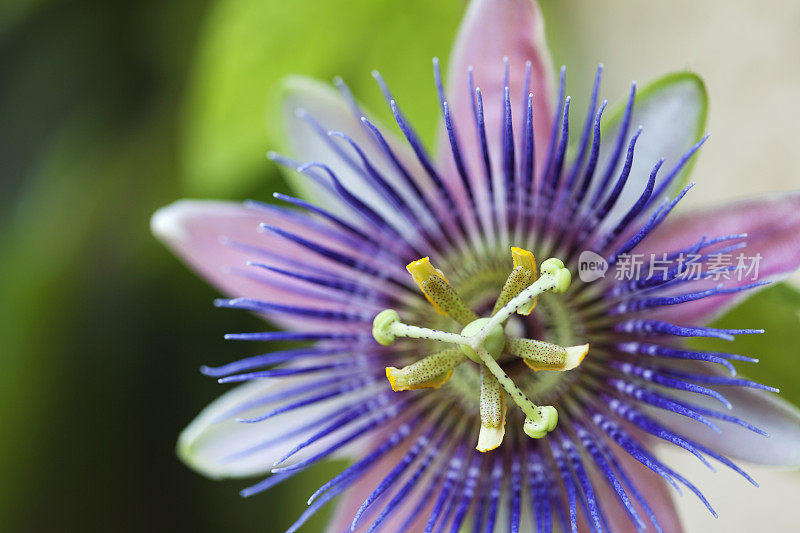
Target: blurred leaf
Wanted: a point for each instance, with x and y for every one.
(164, 37)
(777, 310)
(248, 45)
(41, 244)
(14, 11)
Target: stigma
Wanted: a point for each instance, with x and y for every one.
(485, 342)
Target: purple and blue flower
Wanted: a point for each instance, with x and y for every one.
(394, 263)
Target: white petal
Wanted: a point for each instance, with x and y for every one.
(765, 410)
(307, 97)
(672, 111)
(210, 442)
(742, 507)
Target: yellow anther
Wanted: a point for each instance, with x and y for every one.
(573, 358)
(526, 260)
(422, 270)
(430, 372)
(400, 381)
(540, 355)
(523, 258)
(493, 413)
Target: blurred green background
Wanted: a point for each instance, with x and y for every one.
(109, 110)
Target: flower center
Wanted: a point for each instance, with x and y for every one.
(484, 341)
(493, 343)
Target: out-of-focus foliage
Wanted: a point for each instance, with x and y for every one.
(249, 45)
(777, 310)
(12, 12)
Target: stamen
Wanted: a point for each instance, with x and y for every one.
(437, 290)
(540, 355)
(522, 276)
(432, 371)
(493, 413)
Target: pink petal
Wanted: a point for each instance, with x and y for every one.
(349, 503)
(490, 31)
(199, 232)
(772, 224)
(194, 231)
(653, 488)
